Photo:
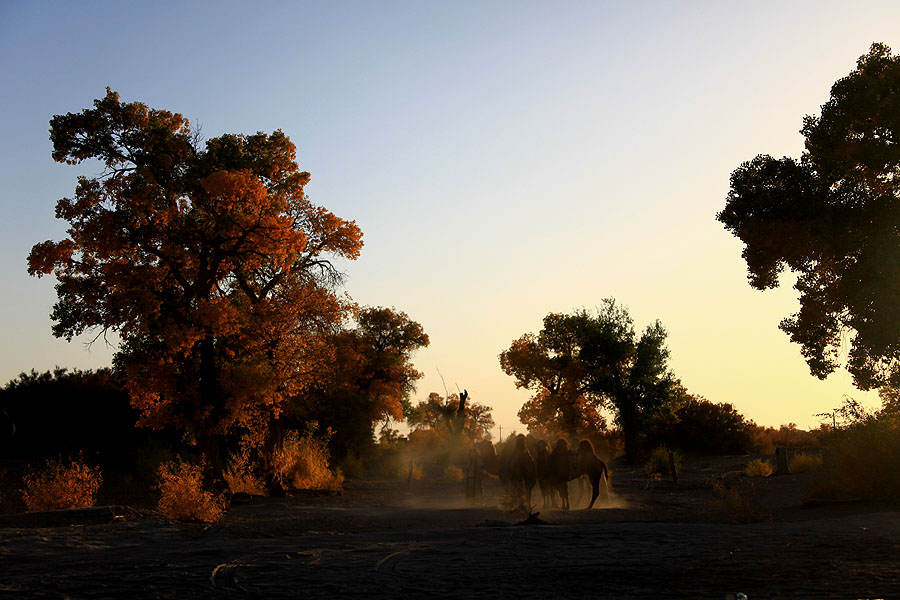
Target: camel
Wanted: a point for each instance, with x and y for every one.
(522, 472)
(514, 466)
(540, 452)
(591, 465)
(566, 466)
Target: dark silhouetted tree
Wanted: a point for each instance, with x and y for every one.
(833, 218)
(708, 427)
(63, 413)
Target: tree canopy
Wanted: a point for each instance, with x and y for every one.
(442, 414)
(209, 261)
(833, 218)
(369, 380)
(583, 362)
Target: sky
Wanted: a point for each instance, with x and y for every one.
(504, 160)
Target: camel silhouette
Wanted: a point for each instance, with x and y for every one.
(566, 466)
(515, 468)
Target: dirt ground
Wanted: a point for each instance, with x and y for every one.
(382, 539)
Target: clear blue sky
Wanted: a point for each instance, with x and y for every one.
(504, 159)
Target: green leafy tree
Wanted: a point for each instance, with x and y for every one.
(583, 362)
(630, 373)
(209, 262)
(833, 218)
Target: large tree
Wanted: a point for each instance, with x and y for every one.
(549, 364)
(369, 380)
(583, 362)
(630, 372)
(209, 261)
(833, 218)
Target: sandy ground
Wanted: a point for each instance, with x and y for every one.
(380, 539)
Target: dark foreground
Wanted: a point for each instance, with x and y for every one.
(382, 541)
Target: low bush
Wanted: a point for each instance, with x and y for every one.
(806, 463)
(60, 485)
(759, 468)
(301, 462)
(658, 461)
(737, 499)
(182, 496)
(241, 477)
(862, 459)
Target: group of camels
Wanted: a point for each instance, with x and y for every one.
(527, 461)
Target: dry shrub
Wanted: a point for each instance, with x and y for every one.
(182, 496)
(659, 461)
(764, 440)
(301, 462)
(759, 468)
(61, 485)
(862, 460)
(241, 477)
(806, 463)
(737, 500)
(453, 473)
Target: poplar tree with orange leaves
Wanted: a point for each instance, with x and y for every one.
(208, 261)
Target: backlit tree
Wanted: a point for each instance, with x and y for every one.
(369, 379)
(584, 362)
(210, 263)
(833, 218)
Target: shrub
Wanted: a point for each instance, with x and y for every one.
(806, 463)
(704, 426)
(301, 462)
(182, 495)
(61, 485)
(737, 499)
(759, 468)
(659, 461)
(764, 440)
(453, 473)
(241, 477)
(862, 459)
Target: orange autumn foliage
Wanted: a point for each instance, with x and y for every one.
(61, 485)
(210, 263)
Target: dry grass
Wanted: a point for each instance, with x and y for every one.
(301, 462)
(806, 463)
(759, 468)
(737, 500)
(240, 477)
(182, 496)
(61, 485)
(659, 461)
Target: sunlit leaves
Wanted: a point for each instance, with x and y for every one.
(210, 263)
